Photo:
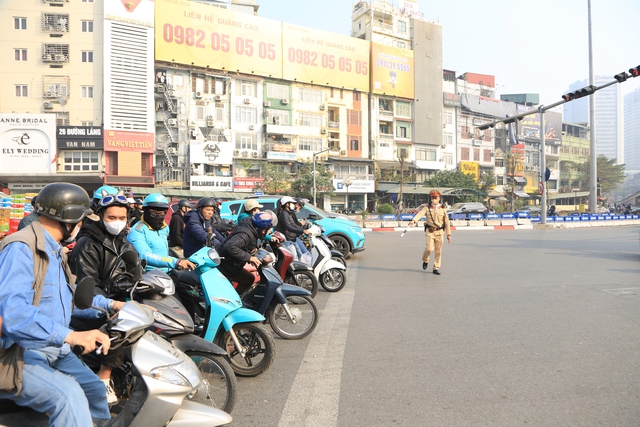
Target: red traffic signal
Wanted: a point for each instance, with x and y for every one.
(585, 91)
(635, 72)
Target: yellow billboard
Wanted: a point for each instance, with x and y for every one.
(198, 34)
(471, 168)
(324, 58)
(392, 71)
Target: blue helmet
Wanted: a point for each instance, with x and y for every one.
(262, 220)
(155, 200)
(103, 191)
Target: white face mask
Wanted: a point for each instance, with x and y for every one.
(114, 227)
(74, 234)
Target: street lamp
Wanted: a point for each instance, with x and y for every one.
(314, 173)
(347, 182)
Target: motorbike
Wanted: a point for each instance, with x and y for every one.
(330, 273)
(292, 271)
(249, 345)
(290, 309)
(163, 376)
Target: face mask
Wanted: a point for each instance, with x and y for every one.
(115, 227)
(72, 235)
(155, 223)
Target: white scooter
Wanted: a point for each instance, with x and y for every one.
(330, 273)
(164, 375)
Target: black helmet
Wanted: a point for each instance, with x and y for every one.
(63, 202)
(206, 201)
(185, 204)
(33, 201)
(301, 201)
(139, 201)
(218, 200)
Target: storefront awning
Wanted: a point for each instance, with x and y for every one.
(521, 194)
(186, 194)
(520, 179)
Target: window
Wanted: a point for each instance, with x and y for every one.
(22, 91)
(499, 163)
(400, 44)
(385, 128)
(464, 153)
(448, 138)
(246, 115)
(62, 119)
(447, 118)
(277, 117)
(354, 117)
(403, 153)
(86, 123)
(20, 54)
(19, 23)
(385, 105)
(87, 26)
(464, 132)
(87, 91)
(447, 158)
(403, 130)
(87, 56)
(487, 135)
(312, 120)
(311, 95)
(354, 143)
(476, 154)
(246, 141)
(486, 156)
(81, 161)
(247, 88)
(87, 1)
(402, 26)
(277, 91)
(310, 144)
(403, 109)
(356, 95)
(428, 154)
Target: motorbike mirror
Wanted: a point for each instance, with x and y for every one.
(133, 263)
(313, 216)
(83, 297)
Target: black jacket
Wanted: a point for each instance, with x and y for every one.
(237, 248)
(96, 253)
(288, 225)
(176, 229)
(134, 216)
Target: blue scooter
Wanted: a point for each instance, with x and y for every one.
(250, 346)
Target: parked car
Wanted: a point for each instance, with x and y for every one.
(414, 211)
(346, 234)
(466, 209)
(531, 210)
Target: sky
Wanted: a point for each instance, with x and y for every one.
(530, 47)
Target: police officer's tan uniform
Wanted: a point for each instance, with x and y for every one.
(437, 225)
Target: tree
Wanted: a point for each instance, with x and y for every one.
(451, 179)
(276, 181)
(610, 174)
(302, 185)
(486, 182)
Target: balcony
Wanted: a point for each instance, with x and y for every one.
(281, 129)
(172, 177)
(333, 125)
(55, 23)
(55, 53)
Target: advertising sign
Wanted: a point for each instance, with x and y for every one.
(211, 183)
(211, 152)
(80, 138)
(471, 168)
(137, 12)
(247, 184)
(118, 140)
(27, 143)
(410, 7)
(324, 58)
(197, 34)
(277, 155)
(392, 71)
(529, 127)
(356, 186)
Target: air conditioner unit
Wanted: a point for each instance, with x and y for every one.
(236, 152)
(343, 152)
(276, 120)
(247, 101)
(443, 145)
(251, 127)
(170, 87)
(210, 123)
(60, 57)
(198, 94)
(47, 105)
(245, 154)
(49, 94)
(323, 107)
(285, 101)
(323, 131)
(171, 150)
(217, 98)
(267, 104)
(172, 122)
(194, 134)
(254, 154)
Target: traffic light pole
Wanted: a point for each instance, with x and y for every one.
(593, 181)
(543, 196)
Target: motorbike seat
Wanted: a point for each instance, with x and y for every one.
(186, 277)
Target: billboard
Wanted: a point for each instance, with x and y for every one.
(529, 127)
(198, 34)
(211, 152)
(392, 71)
(470, 168)
(80, 138)
(324, 58)
(27, 143)
(118, 140)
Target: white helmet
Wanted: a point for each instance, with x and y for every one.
(286, 199)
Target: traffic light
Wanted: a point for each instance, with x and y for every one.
(585, 91)
(621, 77)
(635, 72)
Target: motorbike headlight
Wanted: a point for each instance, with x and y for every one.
(184, 374)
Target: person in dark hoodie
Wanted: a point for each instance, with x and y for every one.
(176, 227)
(198, 227)
(288, 223)
(239, 248)
(97, 254)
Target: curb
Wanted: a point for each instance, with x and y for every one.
(488, 227)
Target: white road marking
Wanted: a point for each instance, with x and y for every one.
(314, 398)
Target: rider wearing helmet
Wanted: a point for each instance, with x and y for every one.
(250, 208)
(289, 225)
(149, 237)
(176, 226)
(134, 213)
(100, 193)
(54, 379)
(199, 226)
(237, 249)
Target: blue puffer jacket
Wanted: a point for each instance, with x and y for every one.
(195, 233)
(152, 245)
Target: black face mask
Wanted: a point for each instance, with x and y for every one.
(155, 223)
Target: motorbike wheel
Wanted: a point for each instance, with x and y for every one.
(333, 280)
(304, 279)
(219, 385)
(341, 260)
(259, 346)
(304, 312)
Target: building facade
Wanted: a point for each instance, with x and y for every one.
(632, 131)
